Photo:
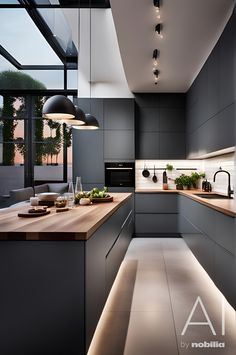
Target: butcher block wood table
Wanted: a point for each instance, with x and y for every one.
(56, 272)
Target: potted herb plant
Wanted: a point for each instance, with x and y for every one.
(169, 167)
(195, 177)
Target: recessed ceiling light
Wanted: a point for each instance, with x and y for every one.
(155, 55)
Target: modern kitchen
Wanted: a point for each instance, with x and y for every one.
(117, 203)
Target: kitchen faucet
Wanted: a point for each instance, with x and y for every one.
(229, 187)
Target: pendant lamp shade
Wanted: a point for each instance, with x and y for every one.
(59, 107)
(78, 120)
(90, 122)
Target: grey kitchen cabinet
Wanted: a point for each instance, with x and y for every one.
(211, 99)
(147, 146)
(119, 136)
(224, 277)
(156, 214)
(119, 145)
(87, 147)
(55, 290)
(118, 250)
(160, 126)
(172, 119)
(148, 119)
(156, 203)
(118, 114)
(227, 46)
(104, 253)
(172, 145)
(213, 82)
(211, 237)
(88, 158)
(114, 140)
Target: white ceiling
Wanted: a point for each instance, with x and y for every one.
(191, 28)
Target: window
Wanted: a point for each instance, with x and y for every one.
(23, 40)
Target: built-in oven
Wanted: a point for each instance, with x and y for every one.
(120, 174)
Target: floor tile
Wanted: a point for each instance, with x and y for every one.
(151, 333)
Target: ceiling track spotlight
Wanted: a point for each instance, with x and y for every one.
(156, 75)
(156, 3)
(155, 55)
(158, 30)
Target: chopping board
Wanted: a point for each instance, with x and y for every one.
(33, 214)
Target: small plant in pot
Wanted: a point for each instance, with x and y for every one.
(178, 183)
(169, 167)
(183, 182)
(195, 177)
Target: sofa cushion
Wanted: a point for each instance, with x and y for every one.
(41, 188)
(21, 194)
(60, 188)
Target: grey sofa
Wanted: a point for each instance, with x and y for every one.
(60, 188)
(20, 195)
(24, 194)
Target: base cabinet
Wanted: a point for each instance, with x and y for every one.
(156, 214)
(210, 235)
(53, 292)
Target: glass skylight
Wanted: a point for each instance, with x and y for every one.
(22, 39)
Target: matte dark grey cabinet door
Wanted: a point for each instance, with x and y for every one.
(155, 203)
(227, 46)
(118, 114)
(88, 156)
(172, 145)
(172, 119)
(148, 119)
(119, 145)
(147, 146)
(213, 82)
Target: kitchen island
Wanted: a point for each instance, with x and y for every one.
(56, 272)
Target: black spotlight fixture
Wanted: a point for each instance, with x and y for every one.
(156, 75)
(158, 30)
(58, 107)
(155, 55)
(90, 123)
(156, 3)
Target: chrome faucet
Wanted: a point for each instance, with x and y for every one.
(230, 192)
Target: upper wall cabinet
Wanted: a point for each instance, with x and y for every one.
(211, 99)
(119, 114)
(160, 126)
(119, 129)
(227, 47)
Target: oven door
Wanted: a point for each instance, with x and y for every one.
(119, 177)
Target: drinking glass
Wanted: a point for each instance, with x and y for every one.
(70, 195)
(78, 185)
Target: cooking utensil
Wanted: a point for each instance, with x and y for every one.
(154, 178)
(145, 172)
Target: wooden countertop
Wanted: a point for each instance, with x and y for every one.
(226, 206)
(77, 224)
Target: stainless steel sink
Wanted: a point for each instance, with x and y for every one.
(213, 196)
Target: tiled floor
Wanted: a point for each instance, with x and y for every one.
(155, 290)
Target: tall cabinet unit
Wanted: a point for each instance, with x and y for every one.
(160, 126)
(211, 99)
(113, 141)
(119, 129)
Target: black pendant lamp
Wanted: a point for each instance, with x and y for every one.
(58, 107)
(90, 123)
(78, 120)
